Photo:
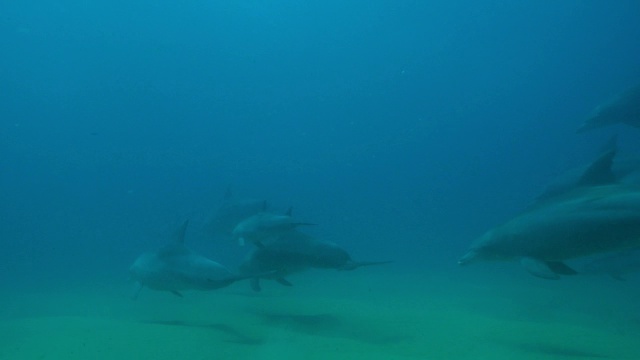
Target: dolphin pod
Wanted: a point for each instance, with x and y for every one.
(591, 211)
(595, 210)
(279, 250)
(596, 213)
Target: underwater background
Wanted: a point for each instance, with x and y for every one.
(403, 129)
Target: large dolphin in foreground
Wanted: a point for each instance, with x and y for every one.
(625, 108)
(294, 252)
(584, 221)
(175, 268)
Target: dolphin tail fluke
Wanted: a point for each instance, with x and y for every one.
(352, 265)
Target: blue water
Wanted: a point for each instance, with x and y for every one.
(404, 129)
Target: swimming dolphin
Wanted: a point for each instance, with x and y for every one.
(232, 211)
(175, 268)
(264, 225)
(616, 265)
(606, 169)
(585, 221)
(625, 108)
(294, 252)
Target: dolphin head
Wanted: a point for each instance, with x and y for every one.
(485, 248)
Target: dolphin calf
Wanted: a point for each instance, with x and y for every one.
(264, 225)
(294, 252)
(175, 268)
(232, 211)
(625, 108)
(585, 221)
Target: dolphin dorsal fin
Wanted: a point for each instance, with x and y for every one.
(178, 236)
(599, 172)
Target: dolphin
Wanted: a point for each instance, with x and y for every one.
(624, 108)
(605, 169)
(263, 226)
(232, 211)
(174, 268)
(585, 221)
(615, 265)
(295, 252)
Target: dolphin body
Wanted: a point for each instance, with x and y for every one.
(295, 252)
(174, 268)
(585, 221)
(625, 108)
(232, 211)
(264, 225)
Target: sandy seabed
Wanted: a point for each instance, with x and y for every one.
(368, 314)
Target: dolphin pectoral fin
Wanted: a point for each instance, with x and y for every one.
(137, 287)
(538, 268)
(255, 284)
(176, 293)
(283, 281)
